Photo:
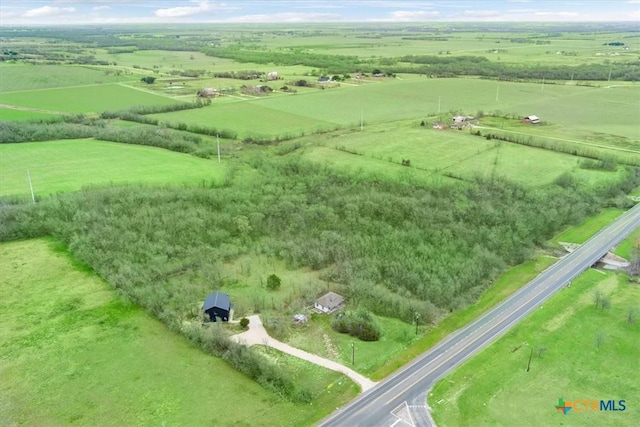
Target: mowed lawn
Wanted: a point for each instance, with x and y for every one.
(73, 350)
(19, 77)
(494, 388)
(85, 99)
(69, 165)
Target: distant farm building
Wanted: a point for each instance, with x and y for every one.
(329, 302)
(207, 92)
(534, 120)
(324, 79)
(459, 122)
(273, 75)
(217, 305)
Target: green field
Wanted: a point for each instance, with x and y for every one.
(443, 152)
(9, 114)
(69, 165)
(590, 354)
(21, 77)
(577, 110)
(84, 99)
(74, 351)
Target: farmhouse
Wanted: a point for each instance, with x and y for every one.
(329, 302)
(217, 305)
(273, 75)
(324, 79)
(459, 122)
(534, 120)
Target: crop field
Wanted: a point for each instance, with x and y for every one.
(84, 99)
(20, 77)
(70, 165)
(67, 335)
(589, 354)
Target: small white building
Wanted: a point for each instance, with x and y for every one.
(534, 120)
(329, 302)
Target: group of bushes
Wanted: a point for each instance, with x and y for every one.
(357, 323)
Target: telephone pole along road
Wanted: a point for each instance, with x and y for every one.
(400, 400)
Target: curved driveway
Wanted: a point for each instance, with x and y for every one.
(258, 335)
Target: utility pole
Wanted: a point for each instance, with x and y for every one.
(353, 354)
(497, 92)
(218, 142)
(542, 84)
(417, 316)
(530, 356)
(361, 120)
(33, 197)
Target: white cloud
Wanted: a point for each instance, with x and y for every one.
(408, 16)
(46, 11)
(180, 11)
(97, 8)
(481, 13)
(287, 17)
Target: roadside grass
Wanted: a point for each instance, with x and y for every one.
(73, 350)
(85, 99)
(508, 283)
(626, 247)
(323, 384)
(576, 365)
(21, 77)
(69, 165)
(582, 232)
(9, 114)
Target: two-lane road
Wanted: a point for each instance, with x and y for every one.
(400, 400)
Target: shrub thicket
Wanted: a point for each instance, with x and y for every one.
(357, 323)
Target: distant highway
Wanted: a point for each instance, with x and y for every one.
(400, 400)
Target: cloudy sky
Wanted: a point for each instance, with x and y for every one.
(60, 12)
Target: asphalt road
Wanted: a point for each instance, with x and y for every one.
(400, 400)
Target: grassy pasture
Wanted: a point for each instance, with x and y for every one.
(440, 152)
(69, 165)
(75, 351)
(84, 99)
(248, 118)
(167, 61)
(21, 77)
(487, 388)
(9, 114)
(567, 49)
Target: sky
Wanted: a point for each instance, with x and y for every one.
(73, 12)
